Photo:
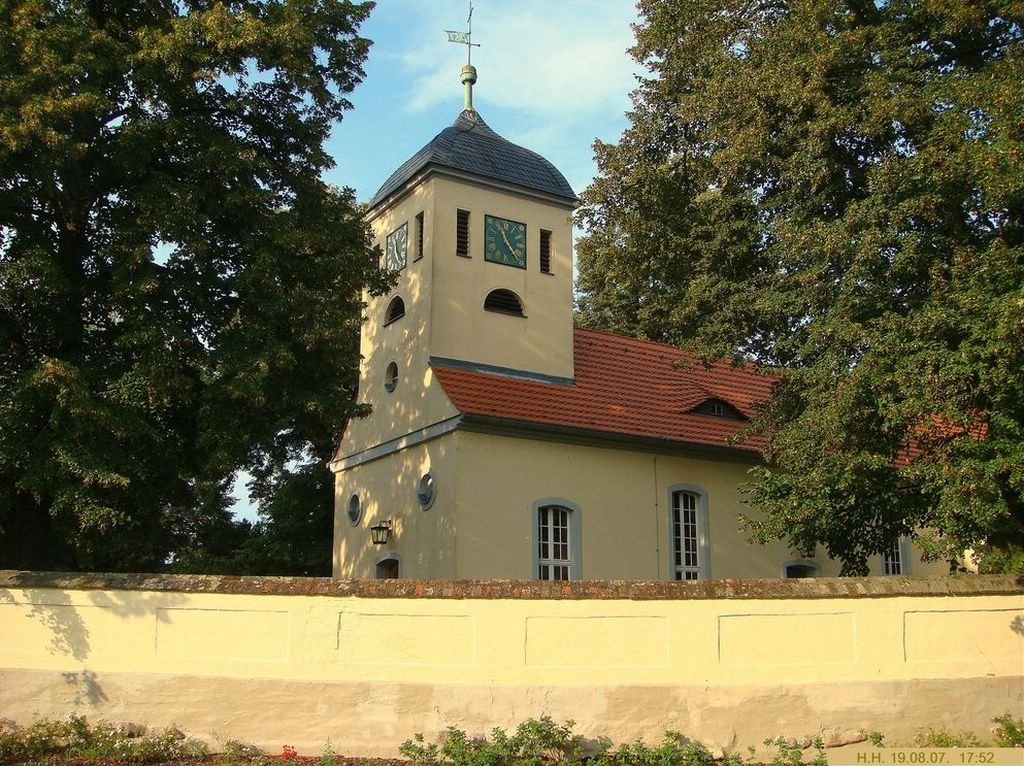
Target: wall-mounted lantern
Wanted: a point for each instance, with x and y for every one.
(380, 532)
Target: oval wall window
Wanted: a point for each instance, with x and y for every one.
(391, 377)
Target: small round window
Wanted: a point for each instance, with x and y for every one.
(354, 510)
(391, 377)
(425, 491)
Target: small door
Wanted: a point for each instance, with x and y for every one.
(387, 569)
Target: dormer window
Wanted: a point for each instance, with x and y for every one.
(718, 409)
(504, 302)
(395, 310)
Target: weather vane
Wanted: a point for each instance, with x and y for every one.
(465, 38)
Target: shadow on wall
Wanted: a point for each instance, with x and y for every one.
(1017, 625)
(85, 688)
(69, 635)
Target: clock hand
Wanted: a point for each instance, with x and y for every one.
(504, 237)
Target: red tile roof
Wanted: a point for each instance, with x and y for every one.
(624, 387)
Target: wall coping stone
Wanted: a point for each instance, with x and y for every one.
(621, 590)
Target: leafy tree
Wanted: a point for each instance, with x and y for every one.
(179, 291)
(834, 188)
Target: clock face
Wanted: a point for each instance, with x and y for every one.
(397, 248)
(504, 241)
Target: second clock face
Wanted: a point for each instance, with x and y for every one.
(397, 248)
(504, 241)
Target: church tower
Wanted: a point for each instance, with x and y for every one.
(478, 232)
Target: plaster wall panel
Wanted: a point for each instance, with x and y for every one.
(964, 635)
(227, 635)
(407, 639)
(44, 634)
(597, 642)
(787, 639)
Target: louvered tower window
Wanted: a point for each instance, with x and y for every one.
(462, 233)
(504, 302)
(545, 251)
(419, 236)
(395, 310)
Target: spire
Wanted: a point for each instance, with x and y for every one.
(468, 73)
(468, 77)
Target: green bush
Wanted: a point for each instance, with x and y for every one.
(1008, 731)
(536, 742)
(943, 738)
(542, 742)
(789, 753)
(73, 737)
(328, 756)
(674, 750)
(236, 752)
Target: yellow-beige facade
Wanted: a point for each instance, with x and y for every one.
(472, 496)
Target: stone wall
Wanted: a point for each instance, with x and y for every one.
(367, 664)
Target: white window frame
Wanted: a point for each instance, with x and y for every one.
(574, 526)
(702, 570)
(901, 549)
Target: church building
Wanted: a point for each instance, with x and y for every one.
(506, 443)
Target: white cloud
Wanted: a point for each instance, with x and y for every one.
(565, 58)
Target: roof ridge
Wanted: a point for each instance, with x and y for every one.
(645, 341)
(694, 360)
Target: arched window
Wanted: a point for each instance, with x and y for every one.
(556, 540)
(391, 377)
(396, 310)
(799, 569)
(688, 533)
(504, 302)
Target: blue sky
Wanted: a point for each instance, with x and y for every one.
(553, 76)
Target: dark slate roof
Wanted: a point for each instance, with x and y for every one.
(471, 146)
